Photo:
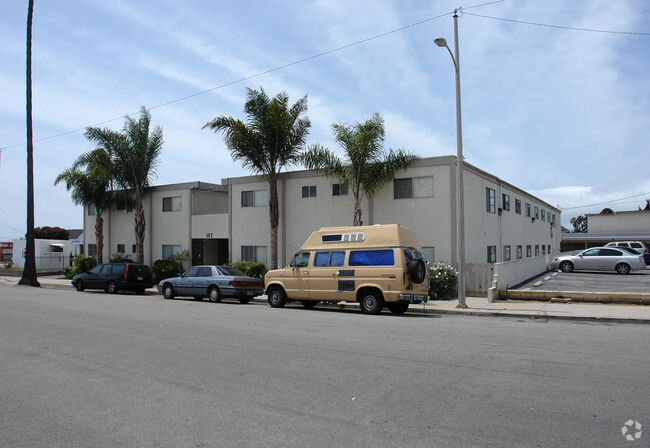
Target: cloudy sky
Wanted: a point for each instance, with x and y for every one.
(560, 112)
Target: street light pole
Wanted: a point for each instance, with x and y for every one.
(460, 195)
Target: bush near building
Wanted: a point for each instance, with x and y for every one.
(442, 281)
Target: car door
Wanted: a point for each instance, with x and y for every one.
(185, 282)
(296, 280)
(608, 258)
(201, 280)
(325, 276)
(94, 279)
(587, 260)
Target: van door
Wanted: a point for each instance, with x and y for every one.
(325, 281)
(296, 278)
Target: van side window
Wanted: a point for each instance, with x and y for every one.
(301, 260)
(324, 259)
(372, 258)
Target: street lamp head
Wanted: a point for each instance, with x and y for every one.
(440, 41)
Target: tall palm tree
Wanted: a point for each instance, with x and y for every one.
(136, 151)
(29, 271)
(271, 139)
(92, 185)
(366, 168)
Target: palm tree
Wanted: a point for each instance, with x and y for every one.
(136, 151)
(92, 185)
(271, 139)
(29, 271)
(366, 168)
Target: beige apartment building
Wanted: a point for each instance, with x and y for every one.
(230, 222)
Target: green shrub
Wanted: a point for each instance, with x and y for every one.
(251, 268)
(81, 264)
(442, 281)
(165, 268)
(120, 258)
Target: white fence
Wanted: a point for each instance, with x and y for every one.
(511, 273)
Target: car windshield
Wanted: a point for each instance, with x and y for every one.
(228, 270)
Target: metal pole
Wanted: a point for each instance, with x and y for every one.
(460, 196)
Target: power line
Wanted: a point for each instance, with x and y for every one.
(629, 33)
(607, 202)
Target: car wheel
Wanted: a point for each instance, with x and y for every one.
(111, 288)
(244, 300)
(417, 270)
(277, 298)
(168, 291)
(398, 308)
(80, 286)
(623, 268)
(371, 302)
(566, 266)
(309, 304)
(214, 295)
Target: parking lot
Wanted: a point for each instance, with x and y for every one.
(635, 282)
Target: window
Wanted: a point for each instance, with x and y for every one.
(518, 206)
(505, 199)
(549, 249)
(490, 201)
(133, 249)
(120, 248)
(301, 260)
(527, 209)
(529, 252)
(92, 210)
(172, 204)
(339, 190)
(429, 254)
(413, 187)
(309, 191)
(171, 249)
(520, 252)
(543, 250)
(537, 250)
(92, 250)
(536, 212)
(253, 198)
(506, 253)
(254, 253)
(491, 254)
(384, 257)
(323, 259)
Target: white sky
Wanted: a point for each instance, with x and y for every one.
(563, 114)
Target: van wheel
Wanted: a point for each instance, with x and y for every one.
(111, 288)
(309, 304)
(371, 302)
(214, 295)
(398, 308)
(277, 298)
(417, 270)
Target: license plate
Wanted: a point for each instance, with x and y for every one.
(140, 279)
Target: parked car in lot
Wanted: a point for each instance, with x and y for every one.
(641, 246)
(213, 282)
(114, 277)
(600, 259)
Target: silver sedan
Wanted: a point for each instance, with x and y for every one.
(600, 259)
(213, 282)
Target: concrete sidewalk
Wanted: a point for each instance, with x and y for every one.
(477, 306)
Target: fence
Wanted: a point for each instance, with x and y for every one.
(478, 278)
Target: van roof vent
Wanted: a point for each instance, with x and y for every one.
(343, 237)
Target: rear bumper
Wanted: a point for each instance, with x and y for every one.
(413, 298)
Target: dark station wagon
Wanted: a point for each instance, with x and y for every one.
(114, 277)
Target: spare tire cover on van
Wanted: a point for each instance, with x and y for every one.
(417, 270)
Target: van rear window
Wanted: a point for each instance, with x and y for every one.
(384, 257)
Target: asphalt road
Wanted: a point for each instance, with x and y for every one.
(585, 281)
(97, 370)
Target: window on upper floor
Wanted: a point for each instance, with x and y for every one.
(543, 215)
(527, 209)
(505, 201)
(536, 212)
(309, 191)
(490, 200)
(518, 206)
(253, 198)
(172, 204)
(413, 187)
(520, 252)
(339, 190)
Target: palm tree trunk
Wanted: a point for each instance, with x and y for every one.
(29, 271)
(140, 225)
(99, 236)
(274, 216)
(357, 213)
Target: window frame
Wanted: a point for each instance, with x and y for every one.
(490, 200)
(413, 189)
(172, 204)
(309, 191)
(254, 198)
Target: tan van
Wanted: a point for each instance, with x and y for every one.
(373, 265)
